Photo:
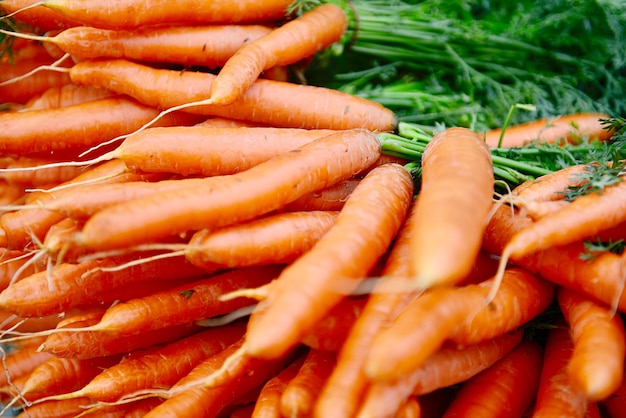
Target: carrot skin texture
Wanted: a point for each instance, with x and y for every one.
(450, 366)
(297, 39)
(127, 15)
(506, 389)
(286, 105)
(39, 17)
(329, 199)
(269, 185)
(313, 284)
(570, 127)
(557, 396)
(275, 239)
(449, 225)
(593, 328)
(59, 409)
(20, 363)
(66, 95)
(267, 404)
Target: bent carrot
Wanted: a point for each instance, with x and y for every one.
(284, 104)
(273, 239)
(449, 225)
(297, 39)
(506, 388)
(572, 128)
(224, 200)
(134, 14)
(305, 291)
(593, 328)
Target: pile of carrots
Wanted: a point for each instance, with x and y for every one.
(186, 232)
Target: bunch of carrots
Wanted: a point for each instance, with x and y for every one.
(186, 232)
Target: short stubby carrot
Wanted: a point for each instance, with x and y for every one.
(272, 103)
(295, 40)
(318, 280)
(223, 200)
(572, 128)
(134, 14)
(449, 224)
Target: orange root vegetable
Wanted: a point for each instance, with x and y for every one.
(224, 200)
(274, 239)
(59, 409)
(593, 328)
(449, 225)
(572, 128)
(39, 17)
(295, 40)
(549, 186)
(329, 199)
(284, 104)
(318, 280)
(267, 404)
(44, 177)
(20, 363)
(298, 398)
(557, 396)
(459, 314)
(66, 95)
(508, 385)
(449, 366)
(12, 263)
(135, 14)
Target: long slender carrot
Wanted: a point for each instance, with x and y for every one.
(300, 395)
(291, 42)
(284, 104)
(593, 328)
(506, 389)
(450, 366)
(267, 404)
(134, 14)
(449, 225)
(224, 200)
(39, 17)
(185, 304)
(557, 395)
(274, 239)
(305, 292)
(572, 128)
(207, 46)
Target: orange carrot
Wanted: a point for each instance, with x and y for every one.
(267, 404)
(39, 17)
(14, 262)
(298, 398)
(593, 328)
(450, 366)
(223, 200)
(557, 395)
(44, 177)
(449, 225)
(134, 14)
(550, 186)
(59, 409)
(66, 95)
(329, 199)
(614, 405)
(297, 39)
(284, 104)
(20, 362)
(207, 46)
(274, 239)
(186, 303)
(571, 128)
(304, 292)
(508, 386)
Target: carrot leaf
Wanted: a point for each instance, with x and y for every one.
(595, 178)
(593, 249)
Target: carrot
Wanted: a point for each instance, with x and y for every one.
(557, 395)
(458, 314)
(160, 367)
(550, 186)
(274, 239)
(297, 39)
(192, 397)
(284, 104)
(66, 95)
(12, 263)
(45, 177)
(208, 46)
(593, 328)
(601, 277)
(134, 14)
(572, 128)
(76, 126)
(69, 285)
(223, 200)
(450, 366)
(11, 193)
(329, 199)
(184, 304)
(304, 292)
(449, 225)
(267, 404)
(506, 388)
(537, 210)
(298, 398)
(39, 17)
(20, 363)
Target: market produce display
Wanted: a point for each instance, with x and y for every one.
(312, 209)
